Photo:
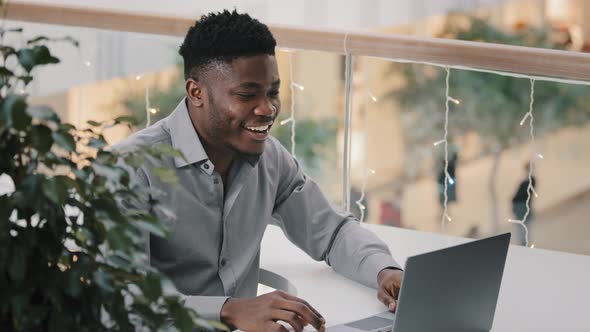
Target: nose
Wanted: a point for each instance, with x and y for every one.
(266, 108)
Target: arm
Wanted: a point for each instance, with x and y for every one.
(325, 233)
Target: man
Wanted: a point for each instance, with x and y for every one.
(235, 179)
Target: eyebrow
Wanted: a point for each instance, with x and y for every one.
(254, 85)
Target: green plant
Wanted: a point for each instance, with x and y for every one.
(491, 105)
(70, 256)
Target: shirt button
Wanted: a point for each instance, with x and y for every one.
(223, 261)
(206, 166)
(216, 181)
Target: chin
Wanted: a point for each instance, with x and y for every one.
(249, 151)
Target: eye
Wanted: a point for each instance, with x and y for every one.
(274, 93)
(246, 96)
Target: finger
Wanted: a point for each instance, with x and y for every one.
(298, 308)
(276, 327)
(296, 299)
(394, 290)
(289, 317)
(387, 299)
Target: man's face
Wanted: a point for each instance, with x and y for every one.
(241, 101)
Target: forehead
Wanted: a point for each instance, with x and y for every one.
(260, 69)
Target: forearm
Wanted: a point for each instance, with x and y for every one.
(359, 254)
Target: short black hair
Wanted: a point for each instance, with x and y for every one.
(224, 36)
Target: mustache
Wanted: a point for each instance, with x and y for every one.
(265, 118)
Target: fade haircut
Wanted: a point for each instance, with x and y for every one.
(223, 37)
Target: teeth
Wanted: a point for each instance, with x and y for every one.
(260, 129)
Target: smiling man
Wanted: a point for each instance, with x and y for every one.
(235, 179)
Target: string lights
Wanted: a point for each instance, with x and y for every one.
(149, 111)
(291, 119)
(530, 188)
(367, 171)
(448, 180)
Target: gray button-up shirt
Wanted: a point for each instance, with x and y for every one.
(214, 248)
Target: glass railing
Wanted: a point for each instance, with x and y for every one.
(399, 113)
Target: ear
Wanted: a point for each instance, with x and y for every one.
(195, 92)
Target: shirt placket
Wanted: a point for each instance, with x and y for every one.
(226, 274)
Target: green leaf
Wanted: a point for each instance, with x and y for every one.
(97, 143)
(93, 123)
(6, 72)
(26, 79)
(29, 58)
(84, 235)
(119, 260)
(117, 240)
(18, 266)
(134, 160)
(153, 228)
(37, 39)
(43, 113)
(6, 208)
(112, 173)
(21, 120)
(43, 56)
(31, 187)
(41, 138)
(182, 319)
(13, 106)
(73, 284)
(55, 188)
(7, 51)
(166, 174)
(165, 150)
(104, 280)
(126, 119)
(108, 207)
(66, 127)
(65, 140)
(26, 58)
(152, 287)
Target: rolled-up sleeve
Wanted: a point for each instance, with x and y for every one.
(324, 231)
(208, 307)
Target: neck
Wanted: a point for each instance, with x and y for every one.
(220, 156)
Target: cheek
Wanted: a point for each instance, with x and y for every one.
(232, 118)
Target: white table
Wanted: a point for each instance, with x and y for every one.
(541, 290)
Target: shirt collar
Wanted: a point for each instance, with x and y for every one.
(185, 139)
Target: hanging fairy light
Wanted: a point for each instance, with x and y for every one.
(291, 119)
(366, 171)
(530, 188)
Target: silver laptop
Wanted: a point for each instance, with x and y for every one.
(452, 290)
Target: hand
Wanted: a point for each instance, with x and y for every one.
(262, 313)
(390, 282)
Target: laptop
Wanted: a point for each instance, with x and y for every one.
(449, 290)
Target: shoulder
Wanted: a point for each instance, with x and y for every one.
(156, 134)
(274, 149)
(275, 154)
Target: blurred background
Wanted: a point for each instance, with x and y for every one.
(109, 73)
